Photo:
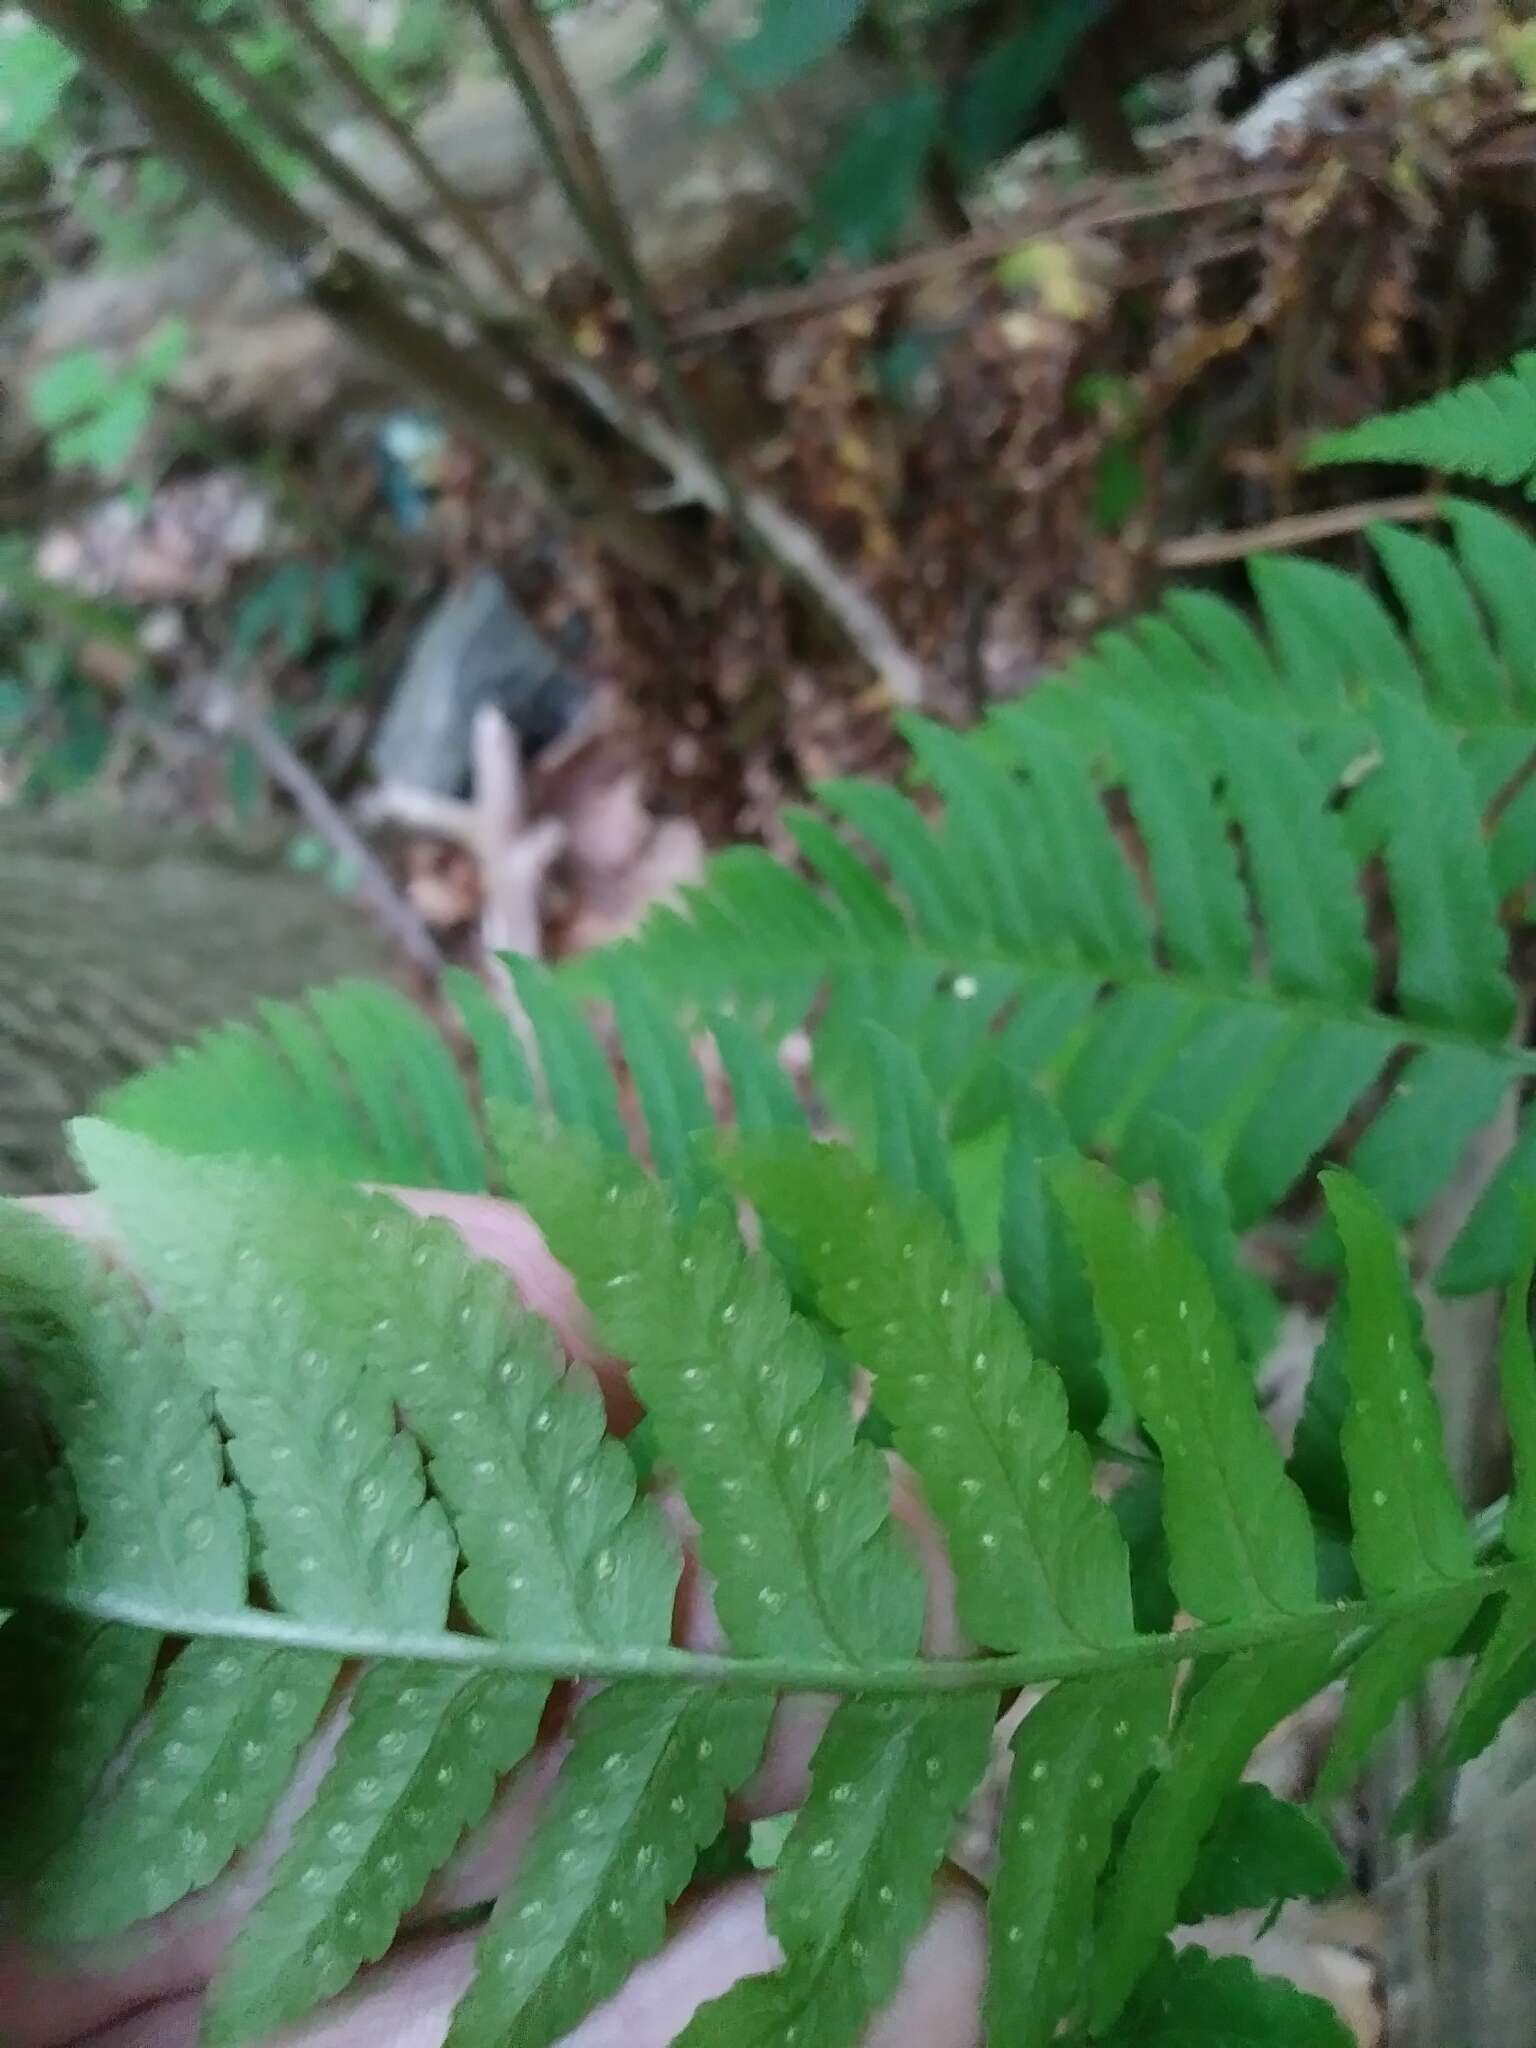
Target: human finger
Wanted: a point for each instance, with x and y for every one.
(408, 2001)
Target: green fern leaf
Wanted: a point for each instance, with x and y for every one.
(1303, 879)
(1238, 1530)
(160, 1522)
(1102, 912)
(1409, 1527)
(354, 1081)
(1042, 1269)
(794, 1514)
(336, 1491)
(762, 1096)
(1333, 637)
(1231, 1712)
(1261, 1850)
(1192, 1191)
(910, 1134)
(1500, 562)
(1195, 2000)
(1386, 1673)
(642, 1792)
(1485, 428)
(667, 1082)
(1503, 1678)
(1505, 1672)
(1078, 1757)
(499, 1058)
(1452, 966)
(919, 861)
(1459, 664)
(578, 1077)
(1038, 1559)
(219, 1748)
(70, 1691)
(1205, 915)
(854, 1880)
(417, 1764)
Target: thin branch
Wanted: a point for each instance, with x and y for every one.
(1296, 530)
(179, 29)
(371, 104)
(525, 45)
(360, 298)
(225, 713)
(1123, 202)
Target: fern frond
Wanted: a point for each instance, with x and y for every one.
(1244, 1012)
(1484, 428)
(462, 1438)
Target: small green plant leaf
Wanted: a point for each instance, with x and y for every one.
(580, 1082)
(669, 1086)
(1453, 965)
(984, 1424)
(1078, 1757)
(1260, 1850)
(1195, 2000)
(790, 37)
(642, 1792)
(865, 195)
(1387, 1672)
(417, 1763)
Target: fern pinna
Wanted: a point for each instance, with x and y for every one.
(350, 1443)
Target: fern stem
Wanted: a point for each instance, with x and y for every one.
(775, 1674)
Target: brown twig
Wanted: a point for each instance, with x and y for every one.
(1113, 205)
(225, 713)
(300, 17)
(1109, 203)
(1298, 529)
(525, 46)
